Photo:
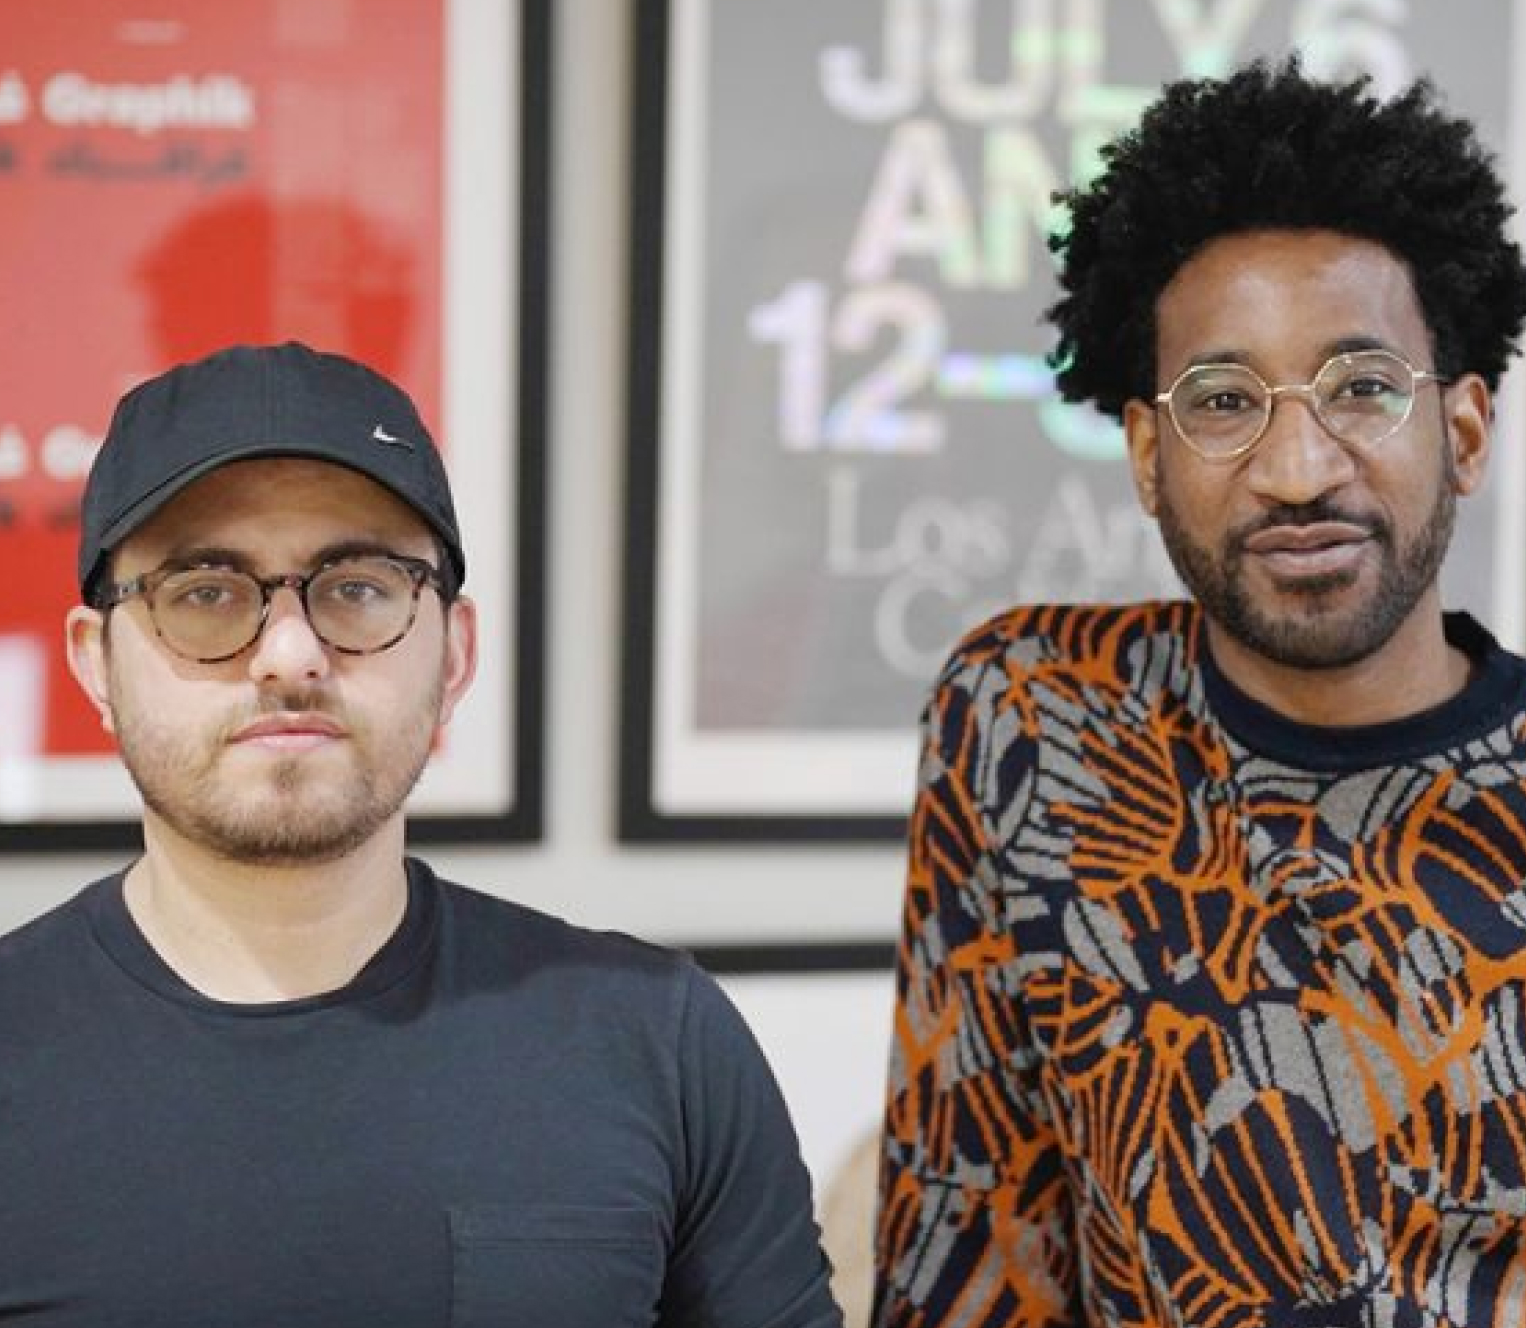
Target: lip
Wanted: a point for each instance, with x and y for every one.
(1322, 548)
(289, 732)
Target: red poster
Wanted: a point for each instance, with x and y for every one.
(175, 176)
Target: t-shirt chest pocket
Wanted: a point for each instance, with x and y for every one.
(526, 1266)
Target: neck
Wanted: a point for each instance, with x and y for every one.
(254, 934)
(1415, 671)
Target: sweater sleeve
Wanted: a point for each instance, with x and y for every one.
(747, 1251)
(975, 1215)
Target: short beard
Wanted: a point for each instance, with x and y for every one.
(1319, 637)
(178, 780)
(307, 839)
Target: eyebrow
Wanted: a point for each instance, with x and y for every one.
(216, 555)
(1348, 345)
(1340, 346)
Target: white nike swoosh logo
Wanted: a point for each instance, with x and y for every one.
(382, 436)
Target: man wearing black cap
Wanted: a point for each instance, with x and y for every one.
(275, 1073)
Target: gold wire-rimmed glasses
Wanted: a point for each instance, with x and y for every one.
(1361, 397)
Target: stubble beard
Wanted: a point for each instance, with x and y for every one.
(297, 816)
(1317, 634)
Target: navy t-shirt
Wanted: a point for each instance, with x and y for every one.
(503, 1120)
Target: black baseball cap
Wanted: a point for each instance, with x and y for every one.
(258, 401)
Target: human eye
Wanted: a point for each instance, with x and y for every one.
(1365, 387)
(1366, 382)
(1216, 393)
(1226, 401)
(204, 590)
(361, 583)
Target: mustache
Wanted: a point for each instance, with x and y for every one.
(1319, 510)
(287, 701)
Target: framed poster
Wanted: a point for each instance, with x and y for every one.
(365, 177)
(845, 449)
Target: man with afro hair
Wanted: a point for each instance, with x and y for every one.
(1211, 998)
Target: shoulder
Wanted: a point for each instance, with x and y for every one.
(51, 935)
(1042, 676)
(1032, 652)
(502, 921)
(489, 940)
(1074, 637)
(55, 979)
(604, 994)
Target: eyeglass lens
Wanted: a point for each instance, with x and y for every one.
(1361, 398)
(357, 604)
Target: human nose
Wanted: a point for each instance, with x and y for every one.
(287, 648)
(1297, 459)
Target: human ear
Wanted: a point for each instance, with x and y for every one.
(460, 654)
(85, 643)
(1468, 410)
(1141, 431)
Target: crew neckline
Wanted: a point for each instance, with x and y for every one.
(1491, 695)
(122, 939)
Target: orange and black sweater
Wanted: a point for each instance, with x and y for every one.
(1205, 1017)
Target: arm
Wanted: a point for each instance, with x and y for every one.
(747, 1252)
(975, 1217)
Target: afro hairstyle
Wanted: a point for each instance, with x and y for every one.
(1269, 148)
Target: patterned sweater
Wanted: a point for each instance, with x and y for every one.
(1205, 1017)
